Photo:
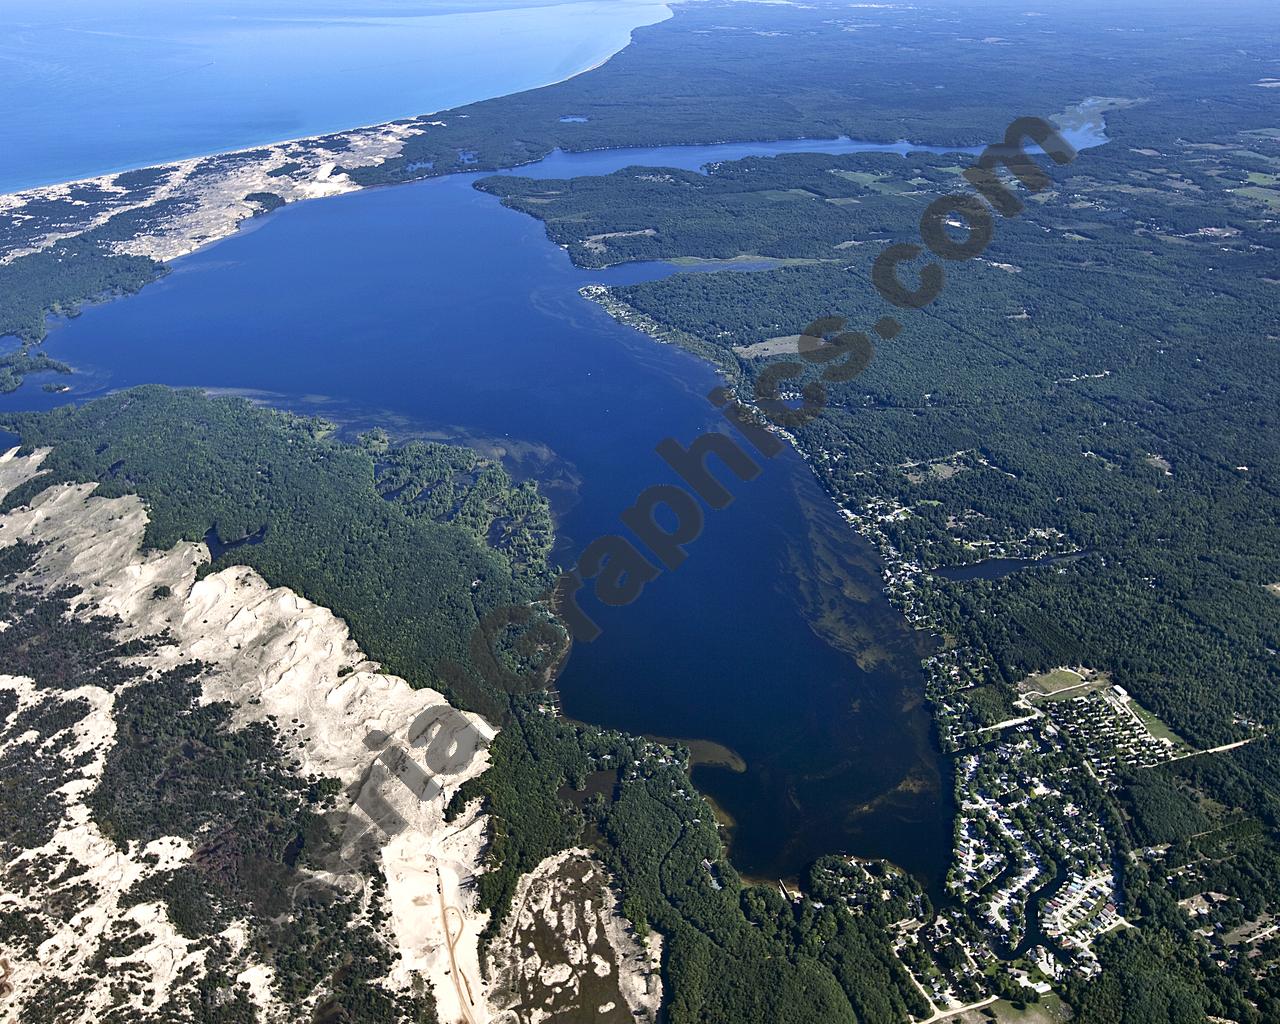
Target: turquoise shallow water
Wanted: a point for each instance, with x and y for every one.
(87, 88)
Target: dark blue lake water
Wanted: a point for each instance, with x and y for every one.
(430, 309)
(998, 568)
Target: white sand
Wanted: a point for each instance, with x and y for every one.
(220, 205)
(273, 654)
(269, 646)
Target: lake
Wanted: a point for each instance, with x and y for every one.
(90, 88)
(432, 310)
(998, 568)
(559, 164)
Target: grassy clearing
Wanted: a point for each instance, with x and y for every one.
(1155, 726)
(1055, 679)
(863, 178)
(1249, 154)
(881, 183)
(1050, 1010)
(783, 194)
(1268, 197)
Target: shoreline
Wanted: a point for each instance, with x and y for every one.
(628, 316)
(206, 205)
(314, 137)
(631, 317)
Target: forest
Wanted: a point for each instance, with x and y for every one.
(179, 768)
(355, 532)
(733, 951)
(1098, 383)
(1095, 384)
(58, 280)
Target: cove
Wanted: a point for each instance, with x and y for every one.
(431, 309)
